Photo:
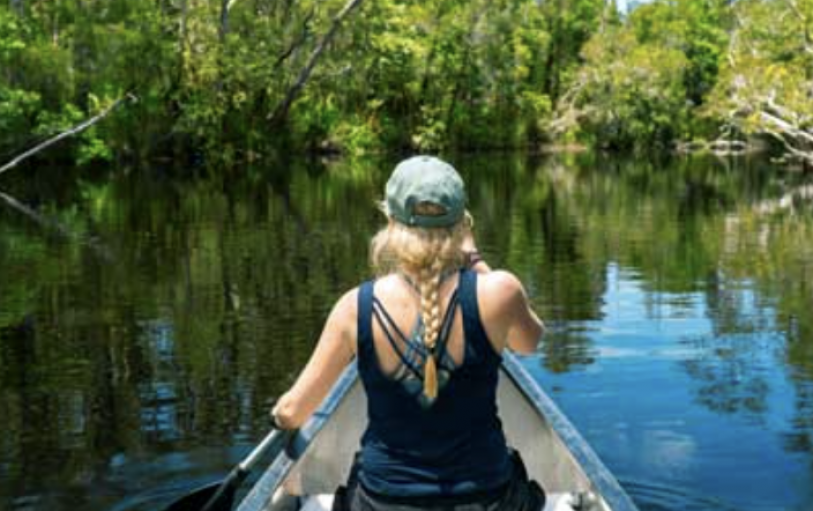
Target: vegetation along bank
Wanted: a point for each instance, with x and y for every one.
(240, 79)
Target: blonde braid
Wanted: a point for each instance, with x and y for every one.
(429, 286)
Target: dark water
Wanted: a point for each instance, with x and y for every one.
(142, 338)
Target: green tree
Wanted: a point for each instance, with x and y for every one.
(768, 74)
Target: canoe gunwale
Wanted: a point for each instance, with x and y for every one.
(263, 490)
(606, 485)
(602, 480)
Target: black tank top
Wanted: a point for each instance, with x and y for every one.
(453, 447)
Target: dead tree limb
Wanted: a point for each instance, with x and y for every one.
(98, 248)
(299, 41)
(223, 28)
(281, 111)
(18, 7)
(65, 134)
(33, 215)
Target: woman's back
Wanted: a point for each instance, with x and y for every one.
(453, 445)
(428, 338)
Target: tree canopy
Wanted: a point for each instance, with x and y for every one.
(235, 79)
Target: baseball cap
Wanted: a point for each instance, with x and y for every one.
(425, 179)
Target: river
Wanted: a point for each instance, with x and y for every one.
(151, 316)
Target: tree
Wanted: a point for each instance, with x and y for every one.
(628, 94)
(767, 81)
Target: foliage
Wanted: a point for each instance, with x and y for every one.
(398, 74)
(632, 92)
(767, 81)
(644, 80)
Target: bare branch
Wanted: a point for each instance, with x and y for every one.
(65, 134)
(303, 36)
(99, 248)
(282, 109)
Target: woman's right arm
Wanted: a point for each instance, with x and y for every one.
(506, 312)
(504, 307)
(335, 349)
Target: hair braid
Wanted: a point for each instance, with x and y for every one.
(429, 286)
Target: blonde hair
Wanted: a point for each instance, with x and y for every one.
(427, 253)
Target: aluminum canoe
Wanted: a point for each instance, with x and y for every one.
(318, 458)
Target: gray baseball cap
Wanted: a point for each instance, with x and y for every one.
(422, 179)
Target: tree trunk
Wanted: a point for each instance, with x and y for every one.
(462, 74)
(18, 6)
(281, 112)
(223, 30)
(299, 41)
(182, 29)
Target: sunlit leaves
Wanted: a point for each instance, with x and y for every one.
(633, 91)
(767, 80)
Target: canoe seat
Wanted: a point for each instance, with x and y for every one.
(555, 502)
(323, 502)
(559, 502)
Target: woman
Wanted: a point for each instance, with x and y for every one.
(428, 335)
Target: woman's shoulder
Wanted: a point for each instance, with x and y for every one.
(345, 310)
(499, 287)
(387, 283)
(500, 296)
(347, 305)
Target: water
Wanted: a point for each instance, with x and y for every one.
(148, 324)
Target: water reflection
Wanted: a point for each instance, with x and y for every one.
(677, 295)
(159, 396)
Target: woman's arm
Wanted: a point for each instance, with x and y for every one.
(335, 349)
(505, 309)
(507, 314)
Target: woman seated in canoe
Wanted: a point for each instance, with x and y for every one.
(428, 334)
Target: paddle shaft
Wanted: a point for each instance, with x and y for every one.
(227, 488)
(251, 460)
(220, 496)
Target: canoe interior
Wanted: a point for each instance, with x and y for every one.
(319, 460)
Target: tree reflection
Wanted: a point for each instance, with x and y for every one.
(729, 379)
(220, 285)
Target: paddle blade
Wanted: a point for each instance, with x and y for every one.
(197, 500)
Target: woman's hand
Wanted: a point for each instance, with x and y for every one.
(275, 422)
(335, 349)
(468, 244)
(473, 261)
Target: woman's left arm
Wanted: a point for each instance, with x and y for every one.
(335, 349)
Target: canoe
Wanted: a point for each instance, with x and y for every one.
(318, 458)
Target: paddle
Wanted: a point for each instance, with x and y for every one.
(219, 496)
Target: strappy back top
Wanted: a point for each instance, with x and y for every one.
(454, 445)
(412, 351)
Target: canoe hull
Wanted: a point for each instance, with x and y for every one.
(319, 458)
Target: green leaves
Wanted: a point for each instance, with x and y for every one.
(767, 75)
(643, 81)
(426, 76)
(11, 37)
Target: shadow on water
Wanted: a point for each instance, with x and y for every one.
(677, 294)
(657, 497)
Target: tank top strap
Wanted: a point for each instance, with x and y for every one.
(366, 347)
(476, 335)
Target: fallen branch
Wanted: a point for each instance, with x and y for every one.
(786, 127)
(281, 111)
(719, 147)
(101, 250)
(299, 41)
(65, 134)
(791, 150)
